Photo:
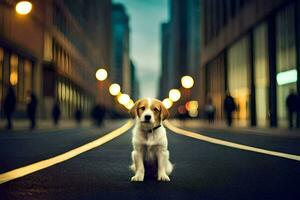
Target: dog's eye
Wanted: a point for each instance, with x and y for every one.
(142, 108)
(156, 109)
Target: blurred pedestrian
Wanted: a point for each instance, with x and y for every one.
(31, 109)
(210, 110)
(292, 107)
(56, 113)
(98, 114)
(9, 106)
(78, 116)
(229, 108)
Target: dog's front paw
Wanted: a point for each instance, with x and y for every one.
(137, 178)
(163, 177)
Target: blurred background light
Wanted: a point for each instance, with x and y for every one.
(114, 89)
(193, 113)
(174, 95)
(123, 99)
(130, 104)
(101, 74)
(167, 103)
(191, 105)
(23, 7)
(287, 77)
(187, 82)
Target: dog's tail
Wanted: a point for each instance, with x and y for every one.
(169, 168)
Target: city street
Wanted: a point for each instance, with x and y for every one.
(202, 170)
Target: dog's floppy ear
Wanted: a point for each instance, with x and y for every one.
(164, 112)
(133, 111)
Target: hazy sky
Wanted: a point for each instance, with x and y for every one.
(145, 19)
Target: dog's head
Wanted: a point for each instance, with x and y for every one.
(149, 112)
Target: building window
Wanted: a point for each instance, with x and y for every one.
(27, 77)
(286, 56)
(13, 76)
(238, 76)
(216, 83)
(261, 74)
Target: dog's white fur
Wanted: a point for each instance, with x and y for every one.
(150, 145)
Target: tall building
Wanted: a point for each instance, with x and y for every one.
(166, 75)
(135, 90)
(120, 36)
(54, 51)
(252, 49)
(180, 44)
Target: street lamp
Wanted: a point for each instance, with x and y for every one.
(114, 89)
(123, 99)
(130, 104)
(23, 7)
(187, 82)
(174, 95)
(167, 103)
(101, 74)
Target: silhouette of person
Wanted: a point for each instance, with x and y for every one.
(98, 114)
(292, 107)
(9, 106)
(210, 111)
(31, 109)
(78, 116)
(229, 108)
(56, 113)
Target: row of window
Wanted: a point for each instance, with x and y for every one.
(217, 13)
(17, 71)
(67, 64)
(238, 69)
(71, 98)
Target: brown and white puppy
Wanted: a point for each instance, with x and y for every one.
(149, 139)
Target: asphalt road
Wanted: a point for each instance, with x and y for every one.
(202, 170)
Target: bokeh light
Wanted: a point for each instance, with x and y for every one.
(123, 99)
(101, 74)
(23, 7)
(174, 95)
(114, 89)
(187, 82)
(130, 104)
(167, 103)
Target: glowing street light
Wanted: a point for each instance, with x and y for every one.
(123, 99)
(114, 89)
(174, 95)
(23, 7)
(167, 103)
(187, 82)
(130, 104)
(101, 74)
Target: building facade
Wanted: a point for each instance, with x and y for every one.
(121, 60)
(180, 50)
(54, 51)
(249, 47)
(135, 89)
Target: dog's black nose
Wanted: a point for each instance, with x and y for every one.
(147, 117)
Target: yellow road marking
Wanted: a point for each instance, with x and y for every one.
(230, 144)
(23, 171)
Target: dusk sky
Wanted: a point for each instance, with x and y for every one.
(145, 44)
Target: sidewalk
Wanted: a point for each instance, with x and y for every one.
(23, 125)
(238, 128)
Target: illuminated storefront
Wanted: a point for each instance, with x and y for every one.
(262, 58)
(17, 71)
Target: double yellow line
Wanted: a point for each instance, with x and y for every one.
(23, 171)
